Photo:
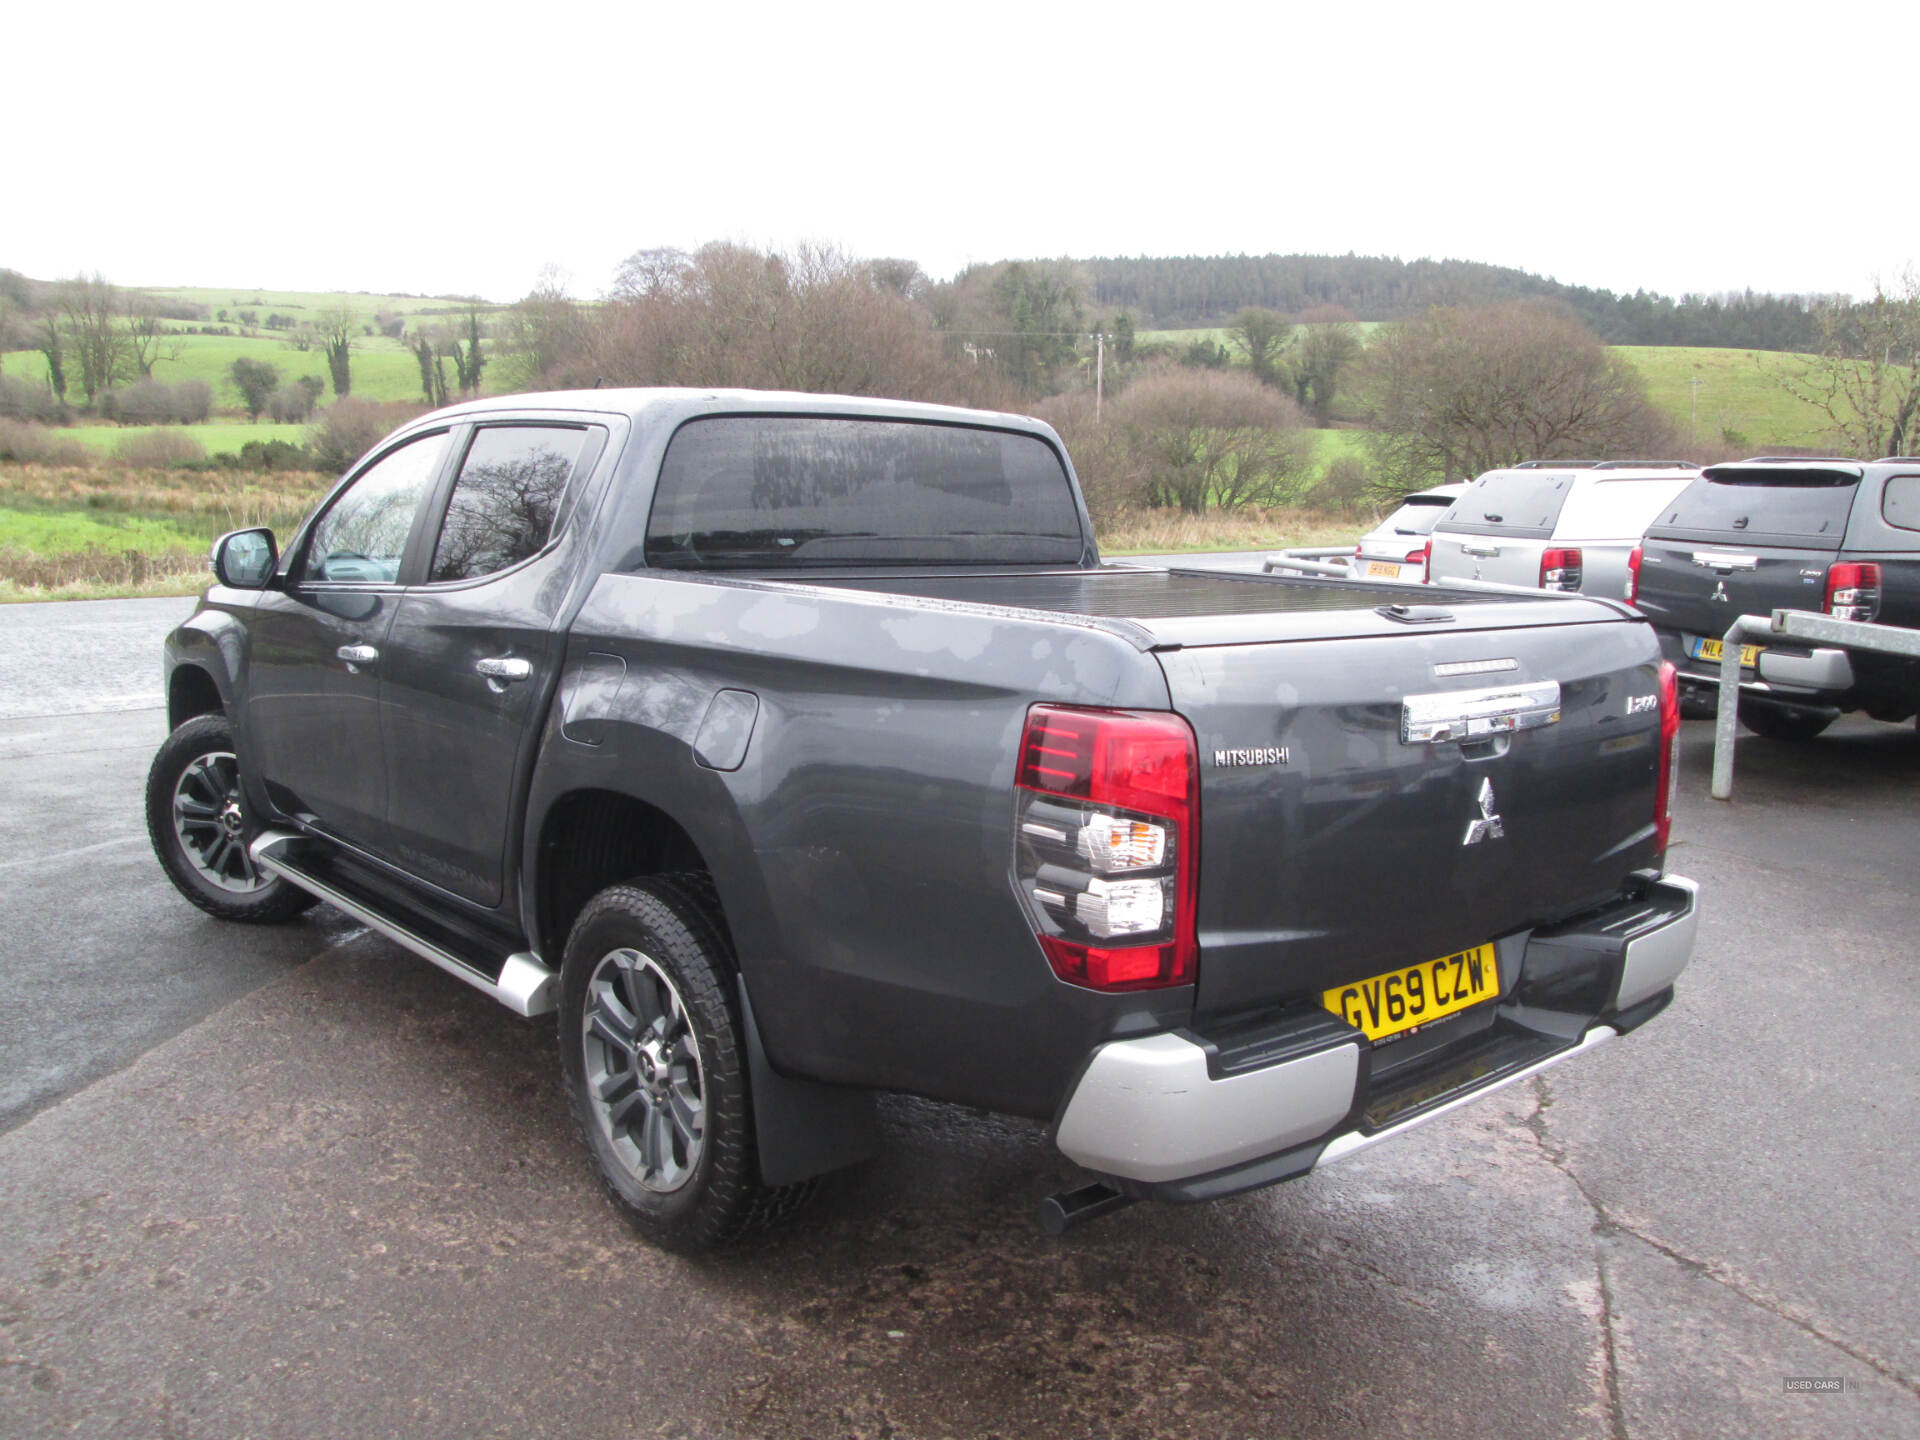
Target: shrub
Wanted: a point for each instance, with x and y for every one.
(349, 428)
(160, 450)
(291, 404)
(1213, 439)
(28, 444)
(24, 400)
(1343, 485)
(272, 455)
(152, 403)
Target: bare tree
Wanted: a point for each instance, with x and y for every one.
(90, 309)
(1261, 336)
(147, 340)
(336, 327)
(1865, 377)
(1462, 390)
(1212, 439)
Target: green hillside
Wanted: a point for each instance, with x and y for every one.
(1738, 400)
(383, 369)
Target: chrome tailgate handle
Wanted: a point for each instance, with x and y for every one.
(356, 656)
(1477, 714)
(1725, 564)
(1483, 552)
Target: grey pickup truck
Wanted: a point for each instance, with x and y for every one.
(1833, 536)
(798, 748)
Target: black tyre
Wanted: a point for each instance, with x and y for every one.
(1777, 722)
(198, 821)
(655, 1066)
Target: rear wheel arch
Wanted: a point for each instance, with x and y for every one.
(591, 839)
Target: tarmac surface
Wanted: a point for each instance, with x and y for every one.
(293, 1182)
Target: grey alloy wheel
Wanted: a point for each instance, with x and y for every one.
(643, 1072)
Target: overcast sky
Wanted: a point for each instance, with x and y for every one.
(1674, 147)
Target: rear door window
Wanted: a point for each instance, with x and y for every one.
(1901, 503)
(778, 490)
(1514, 502)
(506, 502)
(1417, 517)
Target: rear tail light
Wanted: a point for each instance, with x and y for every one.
(1853, 590)
(1104, 827)
(1633, 575)
(1421, 557)
(1669, 757)
(1560, 570)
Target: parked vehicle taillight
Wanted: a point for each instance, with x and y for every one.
(1104, 829)
(1669, 757)
(1853, 590)
(1633, 575)
(1560, 570)
(1421, 557)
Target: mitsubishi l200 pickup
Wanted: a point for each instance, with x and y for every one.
(797, 748)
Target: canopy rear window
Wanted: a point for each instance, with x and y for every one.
(1515, 501)
(741, 491)
(1798, 503)
(1617, 509)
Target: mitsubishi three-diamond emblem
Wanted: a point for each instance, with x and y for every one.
(1487, 826)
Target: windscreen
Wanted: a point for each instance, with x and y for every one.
(1518, 500)
(1616, 509)
(741, 491)
(1809, 504)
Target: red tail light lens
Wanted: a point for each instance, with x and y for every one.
(1104, 853)
(1426, 562)
(1669, 757)
(1560, 570)
(1853, 590)
(1633, 575)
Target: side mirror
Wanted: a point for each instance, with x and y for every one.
(245, 559)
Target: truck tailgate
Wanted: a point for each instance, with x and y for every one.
(1701, 587)
(1333, 848)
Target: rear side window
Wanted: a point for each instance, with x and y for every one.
(766, 490)
(506, 500)
(1616, 509)
(1514, 500)
(1793, 504)
(1901, 504)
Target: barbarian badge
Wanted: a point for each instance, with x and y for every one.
(1487, 826)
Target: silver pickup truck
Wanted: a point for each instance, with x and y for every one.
(1556, 528)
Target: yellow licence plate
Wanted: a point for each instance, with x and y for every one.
(1383, 569)
(1712, 649)
(1402, 1001)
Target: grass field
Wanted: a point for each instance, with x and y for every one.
(219, 437)
(1739, 391)
(304, 304)
(383, 369)
(108, 531)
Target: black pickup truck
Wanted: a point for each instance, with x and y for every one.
(1836, 536)
(798, 748)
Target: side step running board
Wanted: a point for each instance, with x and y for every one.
(525, 985)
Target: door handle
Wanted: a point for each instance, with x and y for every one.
(501, 671)
(356, 656)
(1485, 552)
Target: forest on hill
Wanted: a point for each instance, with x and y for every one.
(1182, 292)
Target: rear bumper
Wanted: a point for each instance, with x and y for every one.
(1804, 676)
(1176, 1116)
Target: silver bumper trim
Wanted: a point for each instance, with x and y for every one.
(1353, 1141)
(1653, 960)
(1148, 1110)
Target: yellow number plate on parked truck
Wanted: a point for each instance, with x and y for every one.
(1712, 650)
(1401, 1001)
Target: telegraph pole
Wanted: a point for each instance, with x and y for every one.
(1099, 371)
